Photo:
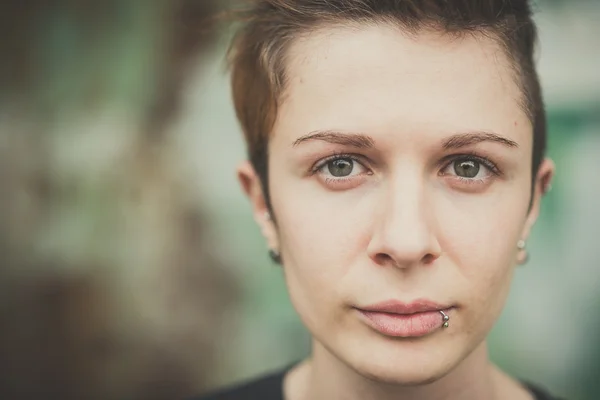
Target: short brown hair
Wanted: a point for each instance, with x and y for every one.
(258, 51)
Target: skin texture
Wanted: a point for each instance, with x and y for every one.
(402, 225)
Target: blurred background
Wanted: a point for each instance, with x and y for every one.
(130, 266)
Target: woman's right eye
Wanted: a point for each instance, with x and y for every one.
(341, 172)
(341, 168)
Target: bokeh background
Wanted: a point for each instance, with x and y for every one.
(130, 266)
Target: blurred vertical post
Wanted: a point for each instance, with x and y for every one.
(109, 289)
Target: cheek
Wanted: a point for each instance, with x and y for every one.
(321, 232)
(321, 237)
(480, 232)
(479, 239)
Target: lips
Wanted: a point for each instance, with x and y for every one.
(397, 319)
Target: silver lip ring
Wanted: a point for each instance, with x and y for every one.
(445, 318)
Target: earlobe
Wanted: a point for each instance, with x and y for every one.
(523, 255)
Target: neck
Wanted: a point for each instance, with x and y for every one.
(324, 376)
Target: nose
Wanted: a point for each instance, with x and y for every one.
(404, 234)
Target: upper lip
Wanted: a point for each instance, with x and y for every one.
(398, 307)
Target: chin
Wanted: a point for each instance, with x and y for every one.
(402, 373)
(401, 362)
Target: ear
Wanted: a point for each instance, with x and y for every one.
(251, 185)
(541, 184)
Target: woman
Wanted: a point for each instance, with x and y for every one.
(396, 169)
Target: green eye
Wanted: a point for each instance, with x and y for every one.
(467, 168)
(341, 167)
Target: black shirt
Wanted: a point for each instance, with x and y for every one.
(270, 387)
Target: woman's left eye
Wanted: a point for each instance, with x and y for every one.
(470, 169)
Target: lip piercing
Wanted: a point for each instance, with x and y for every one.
(445, 318)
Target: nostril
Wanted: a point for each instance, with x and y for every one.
(383, 259)
(429, 259)
(386, 259)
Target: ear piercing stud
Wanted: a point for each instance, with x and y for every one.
(522, 246)
(275, 256)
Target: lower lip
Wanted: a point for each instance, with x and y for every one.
(404, 325)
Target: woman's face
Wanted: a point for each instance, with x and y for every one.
(399, 173)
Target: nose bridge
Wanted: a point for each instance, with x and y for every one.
(404, 207)
(404, 232)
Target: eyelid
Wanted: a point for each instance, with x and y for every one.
(445, 162)
(472, 157)
(336, 156)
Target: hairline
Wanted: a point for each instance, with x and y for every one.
(279, 85)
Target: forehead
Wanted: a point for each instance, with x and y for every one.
(378, 78)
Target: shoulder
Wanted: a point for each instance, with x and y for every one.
(539, 393)
(268, 387)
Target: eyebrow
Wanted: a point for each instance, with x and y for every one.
(467, 139)
(360, 140)
(357, 140)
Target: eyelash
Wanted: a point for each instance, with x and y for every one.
(470, 156)
(445, 163)
(336, 156)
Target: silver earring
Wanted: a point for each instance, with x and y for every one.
(522, 246)
(267, 216)
(446, 319)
